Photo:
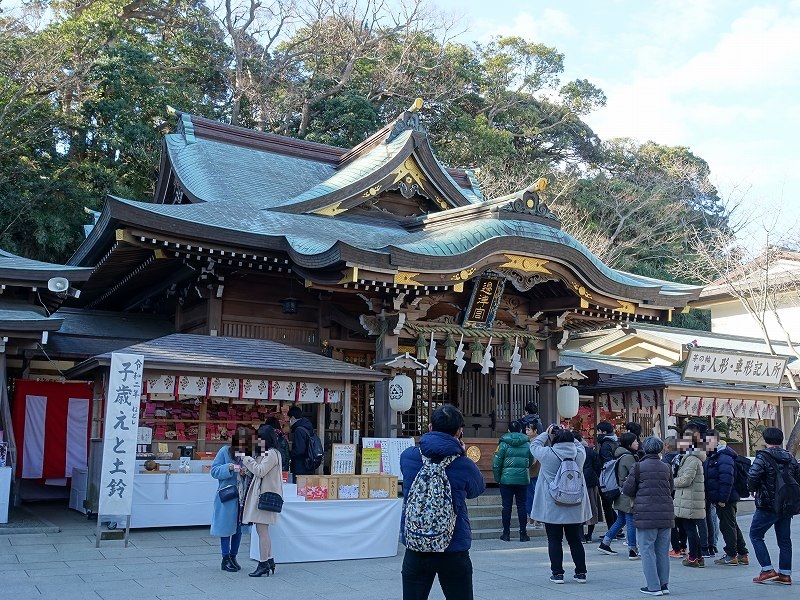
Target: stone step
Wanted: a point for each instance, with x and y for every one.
(494, 534)
(493, 522)
(484, 511)
(487, 499)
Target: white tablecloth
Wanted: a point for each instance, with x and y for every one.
(189, 500)
(333, 530)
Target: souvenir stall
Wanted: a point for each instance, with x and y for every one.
(196, 390)
(737, 393)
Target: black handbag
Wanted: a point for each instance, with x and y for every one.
(228, 493)
(270, 501)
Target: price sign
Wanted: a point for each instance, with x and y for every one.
(343, 461)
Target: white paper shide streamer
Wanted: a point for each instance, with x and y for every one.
(516, 359)
(487, 362)
(432, 360)
(459, 362)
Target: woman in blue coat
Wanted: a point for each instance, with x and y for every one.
(226, 520)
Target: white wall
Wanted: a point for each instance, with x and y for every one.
(732, 319)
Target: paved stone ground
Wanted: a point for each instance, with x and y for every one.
(184, 563)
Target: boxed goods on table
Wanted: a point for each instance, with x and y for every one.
(316, 487)
(349, 487)
(382, 486)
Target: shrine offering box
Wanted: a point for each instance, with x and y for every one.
(316, 487)
(382, 487)
(349, 487)
(205, 455)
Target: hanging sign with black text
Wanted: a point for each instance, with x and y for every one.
(485, 300)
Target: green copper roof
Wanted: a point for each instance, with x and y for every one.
(313, 235)
(215, 172)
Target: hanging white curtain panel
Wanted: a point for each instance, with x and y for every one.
(190, 386)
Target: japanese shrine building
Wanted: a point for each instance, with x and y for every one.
(362, 254)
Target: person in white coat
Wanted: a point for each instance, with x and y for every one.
(550, 449)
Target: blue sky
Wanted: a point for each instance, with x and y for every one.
(721, 77)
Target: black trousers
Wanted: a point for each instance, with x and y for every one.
(729, 529)
(678, 536)
(695, 535)
(555, 538)
(453, 568)
(609, 514)
(509, 494)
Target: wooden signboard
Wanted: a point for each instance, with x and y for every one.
(343, 461)
(484, 302)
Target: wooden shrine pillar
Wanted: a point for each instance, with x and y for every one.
(548, 388)
(385, 417)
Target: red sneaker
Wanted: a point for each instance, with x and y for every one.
(673, 554)
(766, 576)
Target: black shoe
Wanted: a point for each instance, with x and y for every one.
(227, 565)
(524, 537)
(271, 562)
(606, 550)
(506, 537)
(234, 562)
(587, 539)
(261, 569)
(621, 535)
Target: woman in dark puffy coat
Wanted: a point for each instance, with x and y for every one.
(511, 465)
(650, 486)
(591, 476)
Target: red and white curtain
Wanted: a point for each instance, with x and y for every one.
(51, 427)
(736, 408)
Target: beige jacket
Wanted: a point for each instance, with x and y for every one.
(266, 472)
(690, 493)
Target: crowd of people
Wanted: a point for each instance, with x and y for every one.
(669, 499)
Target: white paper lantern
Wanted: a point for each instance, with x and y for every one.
(568, 401)
(401, 392)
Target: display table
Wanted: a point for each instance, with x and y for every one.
(333, 530)
(174, 500)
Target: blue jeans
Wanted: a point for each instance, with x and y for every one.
(531, 491)
(230, 545)
(654, 548)
(762, 521)
(626, 519)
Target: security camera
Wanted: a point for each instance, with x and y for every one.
(58, 284)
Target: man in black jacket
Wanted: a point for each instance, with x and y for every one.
(607, 443)
(302, 430)
(761, 480)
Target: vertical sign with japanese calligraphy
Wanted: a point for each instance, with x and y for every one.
(485, 300)
(121, 428)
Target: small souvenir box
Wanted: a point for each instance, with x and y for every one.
(349, 487)
(315, 487)
(382, 487)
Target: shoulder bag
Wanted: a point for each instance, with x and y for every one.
(228, 493)
(269, 501)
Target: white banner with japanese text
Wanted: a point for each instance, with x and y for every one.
(732, 367)
(120, 431)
